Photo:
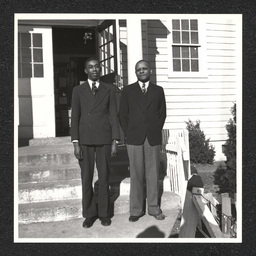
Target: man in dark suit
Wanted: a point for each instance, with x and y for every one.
(142, 115)
(94, 133)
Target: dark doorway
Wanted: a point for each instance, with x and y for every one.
(71, 47)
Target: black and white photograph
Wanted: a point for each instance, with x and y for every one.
(127, 128)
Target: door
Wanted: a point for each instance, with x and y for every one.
(107, 47)
(109, 56)
(35, 82)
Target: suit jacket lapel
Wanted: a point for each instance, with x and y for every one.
(150, 93)
(138, 96)
(102, 91)
(87, 94)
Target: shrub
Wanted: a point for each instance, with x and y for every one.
(225, 176)
(200, 149)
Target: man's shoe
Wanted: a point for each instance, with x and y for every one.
(159, 216)
(88, 222)
(134, 218)
(105, 221)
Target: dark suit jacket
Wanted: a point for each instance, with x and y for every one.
(94, 119)
(142, 115)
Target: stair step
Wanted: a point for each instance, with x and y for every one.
(47, 173)
(72, 189)
(44, 156)
(65, 189)
(50, 141)
(60, 154)
(49, 191)
(62, 210)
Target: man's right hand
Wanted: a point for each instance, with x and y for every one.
(78, 151)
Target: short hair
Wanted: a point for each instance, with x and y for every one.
(142, 61)
(89, 59)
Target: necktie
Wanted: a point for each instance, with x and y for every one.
(94, 88)
(143, 88)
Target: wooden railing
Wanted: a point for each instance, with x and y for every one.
(175, 156)
(197, 207)
(202, 208)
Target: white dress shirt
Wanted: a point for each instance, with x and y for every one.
(97, 83)
(146, 85)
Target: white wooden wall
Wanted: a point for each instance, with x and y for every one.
(207, 99)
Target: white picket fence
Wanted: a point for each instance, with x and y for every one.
(175, 148)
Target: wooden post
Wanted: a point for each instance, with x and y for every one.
(189, 218)
(205, 213)
(226, 214)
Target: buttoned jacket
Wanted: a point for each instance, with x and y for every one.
(142, 115)
(94, 118)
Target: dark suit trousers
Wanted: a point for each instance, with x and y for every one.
(95, 205)
(144, 164)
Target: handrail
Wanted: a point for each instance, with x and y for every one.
(175, 146)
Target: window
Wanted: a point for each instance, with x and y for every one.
(186, 53)
(107, 51)
(30, 57)
(185, 45)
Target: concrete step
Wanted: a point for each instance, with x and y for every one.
(60, 154)
(46, 155)
(72, 189)
(146, 230)
(63, 210)
(65, 189)
(50, 141)
(47, 173)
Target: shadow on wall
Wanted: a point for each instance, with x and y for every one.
(156, 38)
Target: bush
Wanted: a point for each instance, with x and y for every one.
(200, 149)
(225, 176)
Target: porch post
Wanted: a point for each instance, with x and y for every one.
(134, 46)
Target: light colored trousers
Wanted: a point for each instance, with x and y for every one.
(144, 166)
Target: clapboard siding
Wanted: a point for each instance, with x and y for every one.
(208, 99)
(200, 92)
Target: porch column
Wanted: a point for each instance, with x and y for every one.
(134, 46)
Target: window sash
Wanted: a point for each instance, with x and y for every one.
(30, 55)
(185, 45)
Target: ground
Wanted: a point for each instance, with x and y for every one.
(206, 171)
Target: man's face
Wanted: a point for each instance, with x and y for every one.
(143, 71)
(92, 69)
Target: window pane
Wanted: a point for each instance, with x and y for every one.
(184, 25)
(176, 65)
(38, 55)
(185, 52)
(25, 40)
(176, 52)
(194, 37)
(176, 37)
(26, 70)
(193, 25)
(26, 55)
(176, 24)
(194, 65)
(38, 70)
(194, 52)
(185, 65)
(185, 37)
(37, 40)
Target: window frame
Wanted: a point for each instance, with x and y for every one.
(202, 73)
(31, 48)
